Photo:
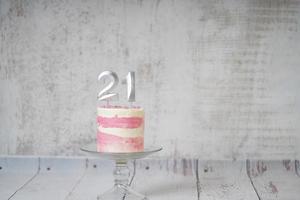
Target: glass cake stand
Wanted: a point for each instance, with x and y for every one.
(121, 189)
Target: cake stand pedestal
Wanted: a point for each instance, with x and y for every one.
(121, 189)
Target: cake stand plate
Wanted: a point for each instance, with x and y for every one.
(121, 189)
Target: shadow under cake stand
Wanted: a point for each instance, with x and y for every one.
(121, 189)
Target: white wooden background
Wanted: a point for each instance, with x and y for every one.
(218, 79)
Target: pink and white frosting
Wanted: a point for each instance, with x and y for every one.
(120, 129)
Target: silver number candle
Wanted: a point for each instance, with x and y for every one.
(105, 94)
(130, 79)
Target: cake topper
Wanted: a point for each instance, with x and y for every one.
(130, 79)
(105, 93)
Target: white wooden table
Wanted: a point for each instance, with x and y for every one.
(36, 178)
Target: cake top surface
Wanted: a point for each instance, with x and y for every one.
(119, 107)
(120, 110)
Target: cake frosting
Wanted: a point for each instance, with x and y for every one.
(120, 129)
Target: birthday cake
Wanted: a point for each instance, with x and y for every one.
(120, 129)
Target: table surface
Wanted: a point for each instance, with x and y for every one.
(36, 178)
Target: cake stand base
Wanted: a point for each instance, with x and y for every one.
(121, 189)
(122, 193)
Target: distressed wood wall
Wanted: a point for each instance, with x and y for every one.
(218, 79)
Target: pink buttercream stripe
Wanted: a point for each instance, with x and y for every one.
(120, 122)
(136, 143)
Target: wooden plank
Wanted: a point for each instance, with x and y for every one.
(297, 168)
(55, 180)
(15, 173)
(275, 179)
(166, 179)
(225, 180)
(97, 179)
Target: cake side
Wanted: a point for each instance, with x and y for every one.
(120, 129)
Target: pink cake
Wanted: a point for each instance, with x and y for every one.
(120, 129)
